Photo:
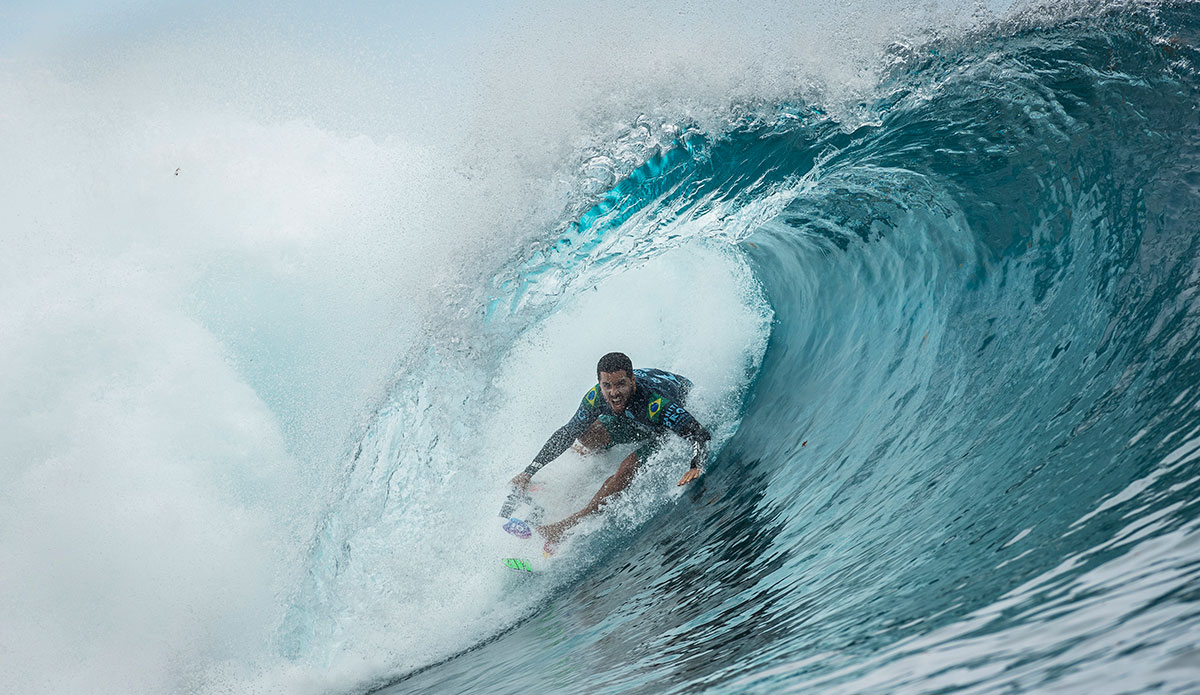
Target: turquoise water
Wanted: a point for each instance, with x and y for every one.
(968, 461)
(287, 295)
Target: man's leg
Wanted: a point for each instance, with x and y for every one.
(614, 484)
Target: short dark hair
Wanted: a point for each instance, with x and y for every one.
(614, 362)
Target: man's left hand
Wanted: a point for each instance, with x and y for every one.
(691, 475)
(521, 481)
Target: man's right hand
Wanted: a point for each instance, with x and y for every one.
(691, 475)
(521, 482)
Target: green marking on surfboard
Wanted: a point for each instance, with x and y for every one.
(518, 564)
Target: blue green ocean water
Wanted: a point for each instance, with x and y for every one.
(968, 460)
(288, 296)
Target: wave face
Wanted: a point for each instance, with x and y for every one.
(287, 300)
(967, 461)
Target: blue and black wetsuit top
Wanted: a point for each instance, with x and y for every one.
(655, 407)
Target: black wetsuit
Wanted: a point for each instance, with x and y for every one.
(655, 407)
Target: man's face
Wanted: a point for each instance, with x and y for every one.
(617, 388)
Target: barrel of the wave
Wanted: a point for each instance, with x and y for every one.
(520, 513)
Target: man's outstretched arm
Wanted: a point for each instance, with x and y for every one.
(558, 443)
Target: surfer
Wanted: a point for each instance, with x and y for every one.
(627, 405)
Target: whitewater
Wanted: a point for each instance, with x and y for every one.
(287, 295)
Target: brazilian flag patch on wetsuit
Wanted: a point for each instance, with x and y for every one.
(591, 395)
(654, 408)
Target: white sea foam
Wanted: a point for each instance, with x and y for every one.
(221, 235)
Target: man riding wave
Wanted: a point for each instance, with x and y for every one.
(627, 405)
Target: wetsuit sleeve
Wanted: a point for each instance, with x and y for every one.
(682, 423)
(561, 439)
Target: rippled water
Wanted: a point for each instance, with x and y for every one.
(287, 295)
(968, 462)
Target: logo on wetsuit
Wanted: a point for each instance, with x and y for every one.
(654, 409)
(591, 396)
